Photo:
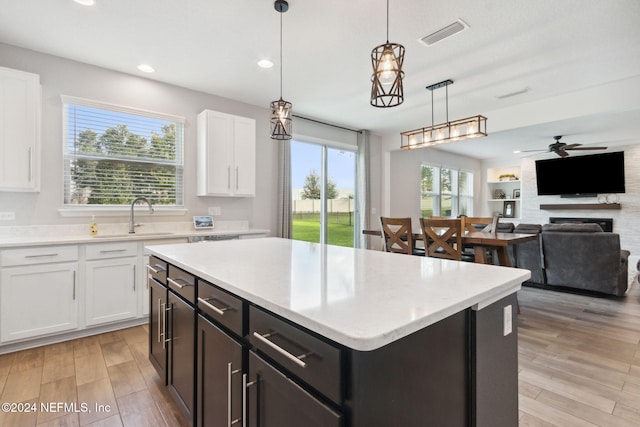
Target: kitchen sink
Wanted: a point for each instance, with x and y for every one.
(148, 234)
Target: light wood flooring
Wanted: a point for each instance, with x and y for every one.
(109, 369)
(579, 360)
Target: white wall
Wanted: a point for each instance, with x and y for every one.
(60, 76)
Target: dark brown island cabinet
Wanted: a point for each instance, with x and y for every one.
(172, 330)
(230, 362)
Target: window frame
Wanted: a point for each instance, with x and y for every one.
(118, 209)
(455, 194)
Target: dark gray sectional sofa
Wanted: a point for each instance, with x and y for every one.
(578, 256)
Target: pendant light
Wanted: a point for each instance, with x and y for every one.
(387, 59)
(281, 109)
(449, 131)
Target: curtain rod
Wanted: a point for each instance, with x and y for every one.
(326, 124)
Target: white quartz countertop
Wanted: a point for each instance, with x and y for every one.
(30, 239)
(363, 299)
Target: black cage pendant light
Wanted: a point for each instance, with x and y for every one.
(387, 59)
(281, 109)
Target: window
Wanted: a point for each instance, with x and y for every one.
(323, 180)
(113, 154)
(446, 192)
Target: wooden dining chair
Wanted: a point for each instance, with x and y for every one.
(487, 224)
(442, 237)
(397, 236)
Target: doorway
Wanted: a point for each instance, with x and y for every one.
(323, 183)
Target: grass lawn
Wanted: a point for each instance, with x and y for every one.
(306, 227)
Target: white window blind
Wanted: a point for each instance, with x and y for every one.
(113, 154)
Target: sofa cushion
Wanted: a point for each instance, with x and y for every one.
(573, 227)
(528, 228)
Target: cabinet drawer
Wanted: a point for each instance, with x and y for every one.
(38, 255)
(157, 269)
(111, 250)
(182, 283)
(309, 358)
(220, 306)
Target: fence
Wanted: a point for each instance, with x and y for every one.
(338, 210)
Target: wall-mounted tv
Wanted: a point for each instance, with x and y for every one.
(582, 176)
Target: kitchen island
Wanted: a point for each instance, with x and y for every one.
(332, 336)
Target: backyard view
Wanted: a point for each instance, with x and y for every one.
(306, 194)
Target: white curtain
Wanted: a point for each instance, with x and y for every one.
(284, 189)
(363, 194)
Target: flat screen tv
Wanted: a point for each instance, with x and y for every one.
(581, 176)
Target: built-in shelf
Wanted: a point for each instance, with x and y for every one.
(583, 206)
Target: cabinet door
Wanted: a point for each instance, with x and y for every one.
(215, 153)
(19, 130)
(244, 157)
(110, 292)
(158, 327)
(182, 344)
(38, 300)
(219, 377)
(276, 401)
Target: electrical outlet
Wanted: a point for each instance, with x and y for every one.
(215, 210)
(507, 325)
(7, 216)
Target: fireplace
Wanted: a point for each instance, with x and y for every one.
(605, 223)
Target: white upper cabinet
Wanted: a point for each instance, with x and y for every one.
(226, 155)
(19, 131)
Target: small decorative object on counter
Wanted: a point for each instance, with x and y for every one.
(499, 194)
(516, 193)
(93, 228)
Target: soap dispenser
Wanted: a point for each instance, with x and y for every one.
(93, 228)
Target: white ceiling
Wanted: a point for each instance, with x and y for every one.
(554, 48)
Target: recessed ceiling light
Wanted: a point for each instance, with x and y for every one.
(146, 68)
(265, 63)
(86, 2)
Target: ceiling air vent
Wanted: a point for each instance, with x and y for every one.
(443, 33)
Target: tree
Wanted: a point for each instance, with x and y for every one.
(98, 178)
(311, 188)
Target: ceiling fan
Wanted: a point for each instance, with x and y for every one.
(560, 148)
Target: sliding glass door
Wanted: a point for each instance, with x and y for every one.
(323, 182)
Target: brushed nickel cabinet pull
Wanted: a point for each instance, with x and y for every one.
(206, 303)
(40, 256)
(160, 325)
(153, 270)
(245, 386)
(285, 353)
(230, 372)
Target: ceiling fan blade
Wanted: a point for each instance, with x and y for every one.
(562, 153)
(585, 148)
(571, 146)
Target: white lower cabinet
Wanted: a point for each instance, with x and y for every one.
(36, 300)
(64, 289)
(110, 282)
(110, 290)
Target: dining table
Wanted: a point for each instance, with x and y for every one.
(482, 242)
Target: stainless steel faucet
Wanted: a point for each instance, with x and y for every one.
(132, 224)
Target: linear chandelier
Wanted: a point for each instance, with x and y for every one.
(449, 131)
(281, 110)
